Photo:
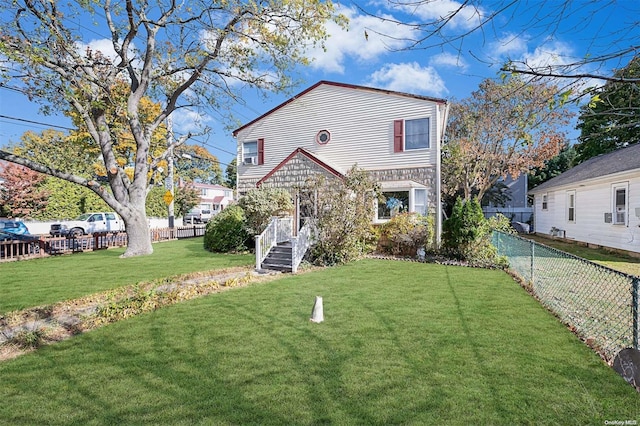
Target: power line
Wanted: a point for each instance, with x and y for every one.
(39, 123)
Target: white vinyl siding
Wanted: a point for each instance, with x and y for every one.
(595, 204)
(361, 123)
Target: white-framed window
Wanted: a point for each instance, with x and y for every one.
(395, 201)
(204, 192)
(416, 134)
(545, 202)
(250, 152)
(571, 206)
(620, 203)
(420, 201)
(411, 134)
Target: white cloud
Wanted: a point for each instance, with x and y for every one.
(105, 47)
(185, 120)
(437, 11)
(367, 38)
(509, 45)
(450, 60)
(409, 77)
(552, 53)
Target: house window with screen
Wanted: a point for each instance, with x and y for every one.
(620, 205)
(545, 201)
(571, 206)
(420, 201)
(416, 134)
(250, 153)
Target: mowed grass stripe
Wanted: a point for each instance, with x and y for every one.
(402, 343)
(26, 284)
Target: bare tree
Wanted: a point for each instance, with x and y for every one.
(450, 24)
(181, 54)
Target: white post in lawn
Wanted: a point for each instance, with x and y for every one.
(317, 314)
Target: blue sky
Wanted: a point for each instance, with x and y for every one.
(527, 31)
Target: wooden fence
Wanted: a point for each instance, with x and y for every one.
(51, 246)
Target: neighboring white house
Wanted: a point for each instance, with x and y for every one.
(516, 208)
(213, 197)
(596, 202)
(329, 127)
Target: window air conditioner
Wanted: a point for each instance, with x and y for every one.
(250, 161)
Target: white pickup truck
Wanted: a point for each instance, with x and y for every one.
(88, 223)
(197, 215)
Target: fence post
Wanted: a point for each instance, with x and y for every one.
(258, 252)
(533, 255)
(634, 310)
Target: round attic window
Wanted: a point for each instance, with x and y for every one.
(323, 137)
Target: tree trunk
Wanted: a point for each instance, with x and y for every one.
(138, 234)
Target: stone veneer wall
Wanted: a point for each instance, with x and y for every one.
(291, 175)
(300, 168)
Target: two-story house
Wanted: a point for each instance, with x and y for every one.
(213, 197)
(329, 127)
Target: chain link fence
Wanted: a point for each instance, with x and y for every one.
(598, 303)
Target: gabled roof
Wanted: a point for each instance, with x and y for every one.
(307, 154)
(344, 85)
(201, 185)
(618, 161)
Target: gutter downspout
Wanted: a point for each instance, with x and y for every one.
(443, 128)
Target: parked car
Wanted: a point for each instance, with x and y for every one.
(16, 239)
(13, 226)
(198, 215)
(88, 223)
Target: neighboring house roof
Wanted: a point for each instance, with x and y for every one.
(218, 199)
(345, 85)
(618, 161)
(208, 185)
(314, 158)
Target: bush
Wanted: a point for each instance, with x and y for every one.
(467, 234)
(343, 211)
(227, 232)
(261, 204)
(405, 233)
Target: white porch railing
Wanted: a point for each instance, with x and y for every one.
(279, 230)
(299, 246)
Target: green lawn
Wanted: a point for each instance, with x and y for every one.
(402, 343)
(44, 281)
(618, 261)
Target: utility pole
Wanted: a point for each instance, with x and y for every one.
(169, 179)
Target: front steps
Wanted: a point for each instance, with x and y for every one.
(280, 258)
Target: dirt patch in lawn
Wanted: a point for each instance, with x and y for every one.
(26, 330)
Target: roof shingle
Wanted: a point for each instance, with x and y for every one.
(621, 160)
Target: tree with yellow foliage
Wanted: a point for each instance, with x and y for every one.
(179, 54)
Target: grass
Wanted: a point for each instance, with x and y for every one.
(618, 261)
(44, 281)
(402, 343)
